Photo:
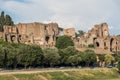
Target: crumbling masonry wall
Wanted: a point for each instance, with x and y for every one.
(100, 38)
(32, 33)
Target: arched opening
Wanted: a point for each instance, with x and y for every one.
(47, 38)
(105, 47)
(19, 38)
(13, 38)
(105, 44)
(45, 27)
(111, 42)
(97, 44)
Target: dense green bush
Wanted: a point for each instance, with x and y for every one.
(51, 56)
(91, 45)
(118, 65)
(70, 56)
(63, 42)
(14, 55)
(89, 57)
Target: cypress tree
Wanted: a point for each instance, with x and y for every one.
(5, 20)
(2, 21)
(8, 21)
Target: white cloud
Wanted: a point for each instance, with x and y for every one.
(81, 14)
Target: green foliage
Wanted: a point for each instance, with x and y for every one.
(63, 42)
(5, 20)
(91, 45)
(70, 56)
(80, 33)
(12, 54)
(60, 29)
(74, 60)
(51, 56)
(109, 58)
(89, 56)
(2, 21)
(29, 55)
(101, 57)
(118, 65)
(8, 20)
(117, 56)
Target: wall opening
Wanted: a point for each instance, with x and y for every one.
(13, 38)
(47, 38)
(105, 45)
(45, 27)
(53, 35)
(111, 42)
(97, 44)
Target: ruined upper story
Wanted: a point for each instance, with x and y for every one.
(32, 28)
(69, 32)
(99, 30)
(34, 33)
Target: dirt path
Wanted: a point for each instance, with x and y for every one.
(35, 71)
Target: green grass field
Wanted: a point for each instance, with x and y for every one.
(82, 74)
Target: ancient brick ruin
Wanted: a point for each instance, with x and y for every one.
(69, 32)
(32, 33)
(100, 38)
(45, 35)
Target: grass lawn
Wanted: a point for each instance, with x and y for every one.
(82, 74)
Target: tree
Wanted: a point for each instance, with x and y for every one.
(80, 33)
(74, 60)
(69, 56)
(29, 55)
(63, 42)
(101, 58)
(108, 59)
(118, 65)
(2, 21)
(8, 21)
(1, 56)
(5, 20)
(51, 56)
(117, 56)
(89, 57)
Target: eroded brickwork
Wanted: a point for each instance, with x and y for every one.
(32, 33)
(100, 38)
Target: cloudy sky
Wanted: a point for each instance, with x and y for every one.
(81, 14)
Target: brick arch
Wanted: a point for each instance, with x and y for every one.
(112, 43)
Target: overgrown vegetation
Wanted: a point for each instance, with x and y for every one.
(19, 55)
(79, 33)
(91, 46)
(5, 20)
(118, 66)
(63, 42)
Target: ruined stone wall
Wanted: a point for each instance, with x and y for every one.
(32, 33)
(99, 36)
(69, 32)
(99, 30)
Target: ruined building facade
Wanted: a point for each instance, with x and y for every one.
(100, 38)
(45, 35)
(32, 33)
(69, 32)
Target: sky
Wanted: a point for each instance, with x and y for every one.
(80, 14)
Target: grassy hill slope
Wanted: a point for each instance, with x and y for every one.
(82, 74)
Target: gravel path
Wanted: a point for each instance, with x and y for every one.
(35, 71)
